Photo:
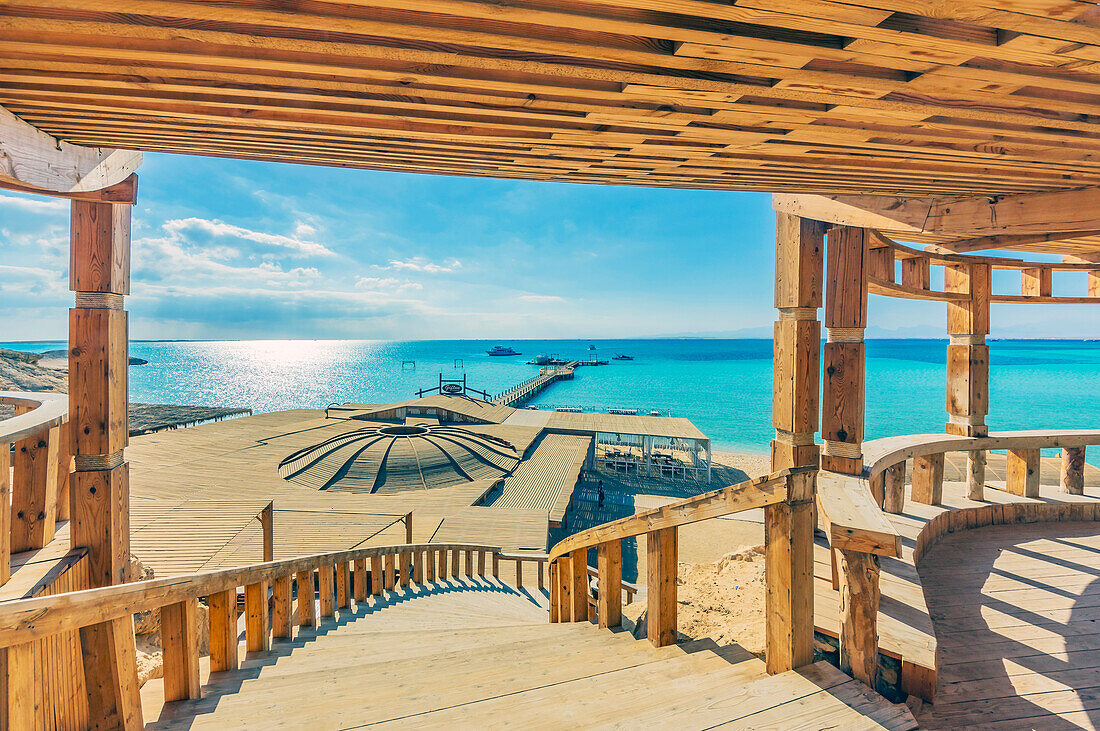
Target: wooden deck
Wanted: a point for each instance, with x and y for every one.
(545, 480)
(1015, 610)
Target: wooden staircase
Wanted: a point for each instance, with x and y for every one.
(471, 651)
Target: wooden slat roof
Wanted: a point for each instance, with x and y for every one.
(921, 97)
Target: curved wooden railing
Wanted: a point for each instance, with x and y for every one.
(39, 489)
(269, 592)
(1036, 278)
(569, 570)
(854, 507)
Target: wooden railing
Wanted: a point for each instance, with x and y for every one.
(785, 495)
(269, 589)
(854, 508)
(39, 489)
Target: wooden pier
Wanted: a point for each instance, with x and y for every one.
(532, 386)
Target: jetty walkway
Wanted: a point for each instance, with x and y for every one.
(532, 386)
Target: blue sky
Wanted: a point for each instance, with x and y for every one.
(235, 249)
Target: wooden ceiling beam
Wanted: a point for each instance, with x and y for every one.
(33, 161)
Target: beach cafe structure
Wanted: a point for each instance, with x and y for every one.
(964, 128)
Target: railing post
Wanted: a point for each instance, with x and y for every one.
(17, 664)
(34, 494)
(1022, 476)
(859, 597)
(661, 586)
(789, 575)
(408, 527)
(555, 600)
(114, 697)
(578, 585)
(5, 512)
(496, 565)
(519, 573)
(1072, 474)
(403, 561)
(223, 630)
(542, 574)
(282, 602)
(928, 479)
(441, 557)
(610, 566)
(481, 563)
(256, 634)
(343, 579)
(326, 590)
(975, 474)
(456, 559)
(377, 577)
(893, 480)
(431, 566)
(469, 563)
(391, 578)
(179, 634)
(360, 583)
(307, 614)
(64, 472)
(267, 522)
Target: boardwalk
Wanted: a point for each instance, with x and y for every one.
(1015, 610)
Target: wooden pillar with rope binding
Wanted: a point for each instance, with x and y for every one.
(968, 363)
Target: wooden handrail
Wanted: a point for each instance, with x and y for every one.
(31, 619)
(755, 493)
(47, 411)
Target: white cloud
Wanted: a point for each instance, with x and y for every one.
(214, 227)
(421, 264)
(541, 298)
(34, 204)
(389, 284)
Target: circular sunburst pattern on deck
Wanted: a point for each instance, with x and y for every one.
(396, 457)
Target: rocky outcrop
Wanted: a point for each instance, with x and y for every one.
(25, 372)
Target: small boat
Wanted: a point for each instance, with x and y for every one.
(591, 347)
(541, 360)
(620, 356)
(503, 350)
(654, 413)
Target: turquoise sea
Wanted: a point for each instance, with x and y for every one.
(724, 386)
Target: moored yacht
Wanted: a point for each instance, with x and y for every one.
(503, 350)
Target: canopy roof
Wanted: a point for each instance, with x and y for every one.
(810, 96)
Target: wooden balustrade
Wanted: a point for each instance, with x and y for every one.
(36, 495)
(272, 590)
(570, 599)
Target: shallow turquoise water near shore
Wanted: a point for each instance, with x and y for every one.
(724, 386)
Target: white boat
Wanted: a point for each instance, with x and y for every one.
(502, 350)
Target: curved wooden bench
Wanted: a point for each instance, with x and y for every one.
(903, 629)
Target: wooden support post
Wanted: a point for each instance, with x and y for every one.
(5, 512)
(481, 563)
(405, 565)
(578, 585)
(343, 588)
(431, 567)
(975, 475)
(1022, 476)
(789, 576)
(1093, 285)
(17, 665)
(1036, 281)
(610, 567)
(859, 596)
(256, 635)
(99, 274)
(661, 586)
(928, 479)
(845, 352)
(391, 572)
(469, 565)
(916, 272)
(408, 527)
(267, 522)
(519, 574)
(496, 565)
(377, 579)
(893, 482)
(418, 567)
(307, 614)
(109, 656)
(877, 484)
(541, 566)
(282, 604)
(799, 250)
(34, 491)
(360, 582)
(179, 636)
(326, 591)
(967, 352)
(456, 569)
(223, 630)
(1072, 474)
